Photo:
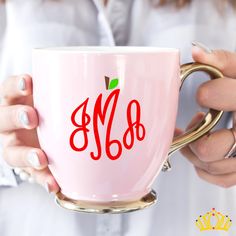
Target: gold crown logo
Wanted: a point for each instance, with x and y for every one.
(206, 222)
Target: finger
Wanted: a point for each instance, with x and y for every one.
(195, 120)
(225, 181)
(214, 146)
(177, 132)
(17, 117)
(223, 60)
(25, 157)
(188, 153)
(14, 88)
(218, 94)
(221, 167)
(46, 179)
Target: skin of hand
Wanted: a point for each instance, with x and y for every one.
(208, 153)
(18, 131)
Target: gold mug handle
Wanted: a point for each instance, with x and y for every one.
(209, 121)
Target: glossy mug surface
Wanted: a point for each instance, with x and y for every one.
(106, 117)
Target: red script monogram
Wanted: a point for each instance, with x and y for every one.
(135, 128)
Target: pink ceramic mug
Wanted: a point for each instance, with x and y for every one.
(106, 121)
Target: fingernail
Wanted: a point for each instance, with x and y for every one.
(21, 84)
(24, 119)
(31, 180)
(24, 176)
(202, 47)
(46, 186)
(33, 159)
(17, 170)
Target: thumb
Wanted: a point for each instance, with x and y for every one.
(225, 61)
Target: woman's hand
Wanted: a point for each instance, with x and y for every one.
(18, 131)
(208, 153)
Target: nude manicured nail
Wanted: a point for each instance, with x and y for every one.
(17, 170)
(202, 47)
(31, 180)
(21, 84)
(33, 160)
(24, 176)
(24, 119)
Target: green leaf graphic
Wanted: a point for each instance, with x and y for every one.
(113, 83)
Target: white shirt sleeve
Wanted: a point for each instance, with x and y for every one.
(7, 177)
(2, 23)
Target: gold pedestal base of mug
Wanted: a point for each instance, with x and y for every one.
(106, 207)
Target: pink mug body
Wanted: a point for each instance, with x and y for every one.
(106, 117)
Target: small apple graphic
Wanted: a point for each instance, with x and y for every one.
(111, 83)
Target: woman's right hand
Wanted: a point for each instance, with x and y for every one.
(18, 131)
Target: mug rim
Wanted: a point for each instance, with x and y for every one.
(107, 49)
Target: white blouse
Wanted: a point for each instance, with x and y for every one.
(24, 24)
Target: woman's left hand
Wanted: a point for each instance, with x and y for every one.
(208, 154)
